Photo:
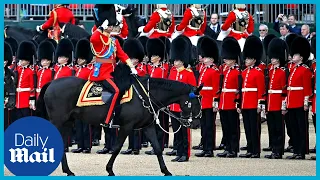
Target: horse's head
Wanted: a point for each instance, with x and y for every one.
(190, 105)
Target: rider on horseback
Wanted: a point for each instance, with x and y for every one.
(59, 16)
(105, 49)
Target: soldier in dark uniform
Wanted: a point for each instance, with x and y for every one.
(9, 85)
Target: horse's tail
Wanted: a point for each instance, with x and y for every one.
(41, 110)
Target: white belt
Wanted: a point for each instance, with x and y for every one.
(207, 88)
(249, 89)
(23, 89)
(294, 88)
(229, 90)
(193, 28)
(38, 90)
(160, 31)
(274, 91)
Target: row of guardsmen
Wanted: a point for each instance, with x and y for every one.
(229, 89)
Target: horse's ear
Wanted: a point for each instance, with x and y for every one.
(198, 89)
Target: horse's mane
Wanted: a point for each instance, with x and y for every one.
(22, 30)
(170, 85)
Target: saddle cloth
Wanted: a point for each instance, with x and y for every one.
(91, 95)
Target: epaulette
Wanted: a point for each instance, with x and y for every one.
(257, 68)
(305, 66)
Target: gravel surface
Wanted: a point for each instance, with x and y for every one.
(146, 165)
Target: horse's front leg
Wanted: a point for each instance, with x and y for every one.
(123, 133)
(150, 132)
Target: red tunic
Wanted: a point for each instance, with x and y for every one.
(101, 45)
(44, 75)
(62, 71)
(141, 69)
(253, 87)
(83, 72)
(25, 88)
(231, 19)
(276, 88)
(189, 31)
(299, 86)
(200, 66)
(263, 66)
(210, 78)
(152, 24)
(60, 14)
(158, 71)
(229, 88)
(290, 66)
(314, 93)
(181, 75)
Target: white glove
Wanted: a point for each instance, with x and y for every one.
(215, 104)
(134, 71)
(140, 29)
(284, 105)
(32, 104)
(38, 28)
(105, 24)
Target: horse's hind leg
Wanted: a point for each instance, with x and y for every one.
(123, 133)
(64, 163)
(150, 132)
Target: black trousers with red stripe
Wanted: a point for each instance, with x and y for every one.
(276, 129)
(300, 127)
(252, 127)
(160, 133)
(231, 129)
(83, 134)
(209, 129)
(183, 138)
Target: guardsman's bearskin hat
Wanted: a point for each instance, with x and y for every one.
(210, 49)
(83, 50)
(181, 50)
(26, 51)
(278, 49)
(253, 48)
(134, 49)
(155, 47)
(64, 48)
(230, 48)
(289, 40)
(53, 42)
(300, 45)
(13, 44)
(7, 53)
(104, 12)
(46, 51)
(266, 42)
(143, 40)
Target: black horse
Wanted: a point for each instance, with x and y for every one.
(25, 34)
(59, 99)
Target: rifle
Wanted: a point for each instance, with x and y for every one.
(52, 70)
(267, 79)
(239, 83)
(72, 64)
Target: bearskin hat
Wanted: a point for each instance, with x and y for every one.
(134, 49)
(313, 46)
(167, 44)
(13, 44)
(104, 12)
(26, 51)
(266, 42)
(53, 42)
(46, 51)
(181, 50)
(74, 43)
(64, 48)
(198, 46)
(155, 47)
(300, 45)
(83, 50)
(278, 49)
(143, 40)
(210, 49)
(253, 48)
(289, 40)
(193, 50)
(230, 48)
(7, 53)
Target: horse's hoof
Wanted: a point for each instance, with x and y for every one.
(111, 174)
(169, 174)
(72, 174)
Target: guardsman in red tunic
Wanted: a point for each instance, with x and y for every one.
(193, 23)
(14, 47)
(277, 52)
(227, 105)
(181, 55)
(239, 24)
(299, 91)
(161, 23)
(45, 73)
(106, 49)
(84, 56)
(253, 89)
(210, 79)
(59, 16)
(25, 96)
(313, 98)
(63, 68)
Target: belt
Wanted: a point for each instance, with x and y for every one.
(38, 90)
(228, 90)
(23, 89)
(104, 60)
(193, 28)
(274, 91)
(207, 88)
(249, 89)
(294, 88)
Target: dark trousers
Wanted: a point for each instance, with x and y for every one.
(160, 133)
(252, 126)
(110, 136)
(7, 118)
(276, 126)
(300, 127)
(183, 138)
(20, 113)
(231, 129)
(96, 132)
(314, 121)
(83, 134)
(288, 124)
(209, 129)
(135, 140)
(269, 132)
(175, 126)
(144, 139)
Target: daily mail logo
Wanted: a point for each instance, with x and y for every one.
(33, 147)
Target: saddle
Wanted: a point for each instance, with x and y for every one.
(95, 94)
